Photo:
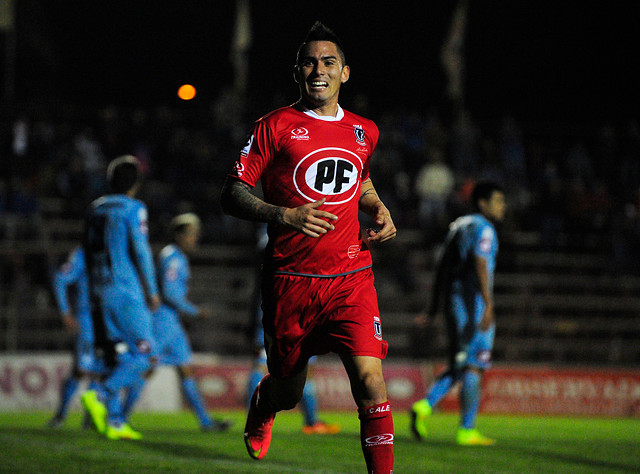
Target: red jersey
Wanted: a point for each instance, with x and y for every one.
(301, 157)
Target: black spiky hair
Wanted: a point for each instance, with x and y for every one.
(483, 190)
(319, 32)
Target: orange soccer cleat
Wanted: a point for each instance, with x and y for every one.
(321, 428)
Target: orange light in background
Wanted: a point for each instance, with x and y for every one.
(186, 92)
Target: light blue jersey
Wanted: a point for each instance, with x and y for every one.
(174, 274)
(120, 266)
(469, 236)
(73, 275)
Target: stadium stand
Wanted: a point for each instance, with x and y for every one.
(567, 283)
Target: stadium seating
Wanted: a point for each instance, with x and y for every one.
(557, 306)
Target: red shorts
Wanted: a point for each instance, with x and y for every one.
(306, 316)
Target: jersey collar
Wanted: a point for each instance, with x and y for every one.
(327, 118)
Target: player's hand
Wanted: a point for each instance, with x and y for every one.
(488, 317)
(387, 230)
(154, 303)
(70, 323)
(422, 320)
(309, 220)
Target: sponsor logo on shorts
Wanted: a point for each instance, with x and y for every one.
(484, 356)
(377, 328)
(377, 440)
(143, 346)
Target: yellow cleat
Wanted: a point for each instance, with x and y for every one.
(472, 437)
(96, 409)
(419, 413)
(124, 431)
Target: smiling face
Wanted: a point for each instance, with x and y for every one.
(319, 74)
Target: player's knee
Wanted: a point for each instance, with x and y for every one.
(372, 388)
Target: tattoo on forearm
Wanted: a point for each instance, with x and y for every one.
(245, 205)
(367, 192)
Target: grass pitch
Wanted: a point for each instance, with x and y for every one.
(172, 443)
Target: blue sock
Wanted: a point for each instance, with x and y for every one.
(254, 380)
(441, 387)
(133, 394)
(195, 400)
(470, 398)
(69, 388)
(129, 369)
(308, 404)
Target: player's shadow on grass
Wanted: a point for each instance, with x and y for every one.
(184, 450)
(538, 453)
(578, 460)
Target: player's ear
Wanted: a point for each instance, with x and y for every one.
(296, 72)
(344, 75)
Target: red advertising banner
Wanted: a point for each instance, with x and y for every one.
(32, 382)
(225, 386)
(555, 391)
(518, 390)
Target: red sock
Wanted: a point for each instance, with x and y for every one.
(376, 437)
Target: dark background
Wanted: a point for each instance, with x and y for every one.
(539, 61)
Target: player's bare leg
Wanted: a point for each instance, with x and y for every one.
(376, 422)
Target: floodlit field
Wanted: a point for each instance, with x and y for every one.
(172, 443)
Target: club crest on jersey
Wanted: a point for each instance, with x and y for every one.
(330, 173)
(377, 328)
(300, 133)
(359, 131)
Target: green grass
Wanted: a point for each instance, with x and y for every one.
(172, 443)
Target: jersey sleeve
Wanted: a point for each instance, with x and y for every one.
(139, 231)
(484, 241)
(68, 274)
(372, 138)
(174, 274)
(256, 154)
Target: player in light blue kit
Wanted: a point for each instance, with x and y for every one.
(173, 346)
(76, 316)
(464, 284)
(121, 279)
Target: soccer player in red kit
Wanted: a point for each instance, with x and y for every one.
(318, 293)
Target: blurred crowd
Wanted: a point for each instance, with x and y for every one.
(578, 187)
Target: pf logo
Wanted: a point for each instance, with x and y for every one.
(331, 173)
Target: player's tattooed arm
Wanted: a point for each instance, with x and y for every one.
(237, 200)
(371, 204)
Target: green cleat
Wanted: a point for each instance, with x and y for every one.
(419, 413)
(124, 431)
(97, 410)
(471, 437)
